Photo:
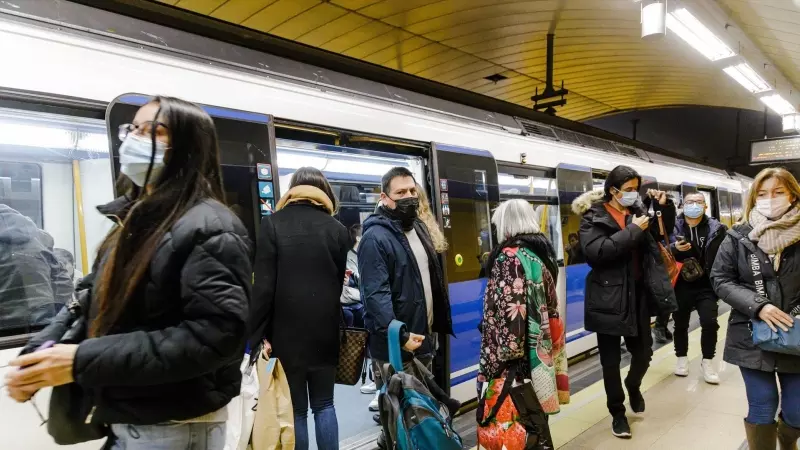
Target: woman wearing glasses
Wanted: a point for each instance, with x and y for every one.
(696, 236)
(169, 295)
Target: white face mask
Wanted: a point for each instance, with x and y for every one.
(627, 198)
(134, 158)
(773, 208)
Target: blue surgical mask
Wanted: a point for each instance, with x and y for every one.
(134, 158)
(628, 198)
(693, 210)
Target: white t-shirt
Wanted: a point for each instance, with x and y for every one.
(424, 271)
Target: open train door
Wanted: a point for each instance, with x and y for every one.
(465, 193)
(247, 155)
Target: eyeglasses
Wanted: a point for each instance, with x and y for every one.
(144, 129)
(695, 202)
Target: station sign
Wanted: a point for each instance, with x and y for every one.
(777, 150)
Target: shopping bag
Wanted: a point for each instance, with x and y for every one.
(273, 428)
(242, 409)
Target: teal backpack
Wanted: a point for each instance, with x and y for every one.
(413, 419)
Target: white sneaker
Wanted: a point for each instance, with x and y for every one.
(369, 388)
(709, 374)
(682, 368)
(373, 405)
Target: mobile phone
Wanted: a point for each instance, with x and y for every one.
(681, 239)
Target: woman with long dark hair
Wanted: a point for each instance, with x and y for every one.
(757, 272)
(300, 265)
(169, 294)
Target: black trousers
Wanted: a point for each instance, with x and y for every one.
(640, 348)
(707, 306)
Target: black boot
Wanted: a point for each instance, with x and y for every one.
(660, 335)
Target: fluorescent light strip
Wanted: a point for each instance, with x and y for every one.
(778, 104)
(691, 30)
(791, 122)
(748, 78)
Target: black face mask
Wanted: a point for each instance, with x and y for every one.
(405, 211)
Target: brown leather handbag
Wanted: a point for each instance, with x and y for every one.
(673, 267)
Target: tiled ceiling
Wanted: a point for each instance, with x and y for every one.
(598, 49)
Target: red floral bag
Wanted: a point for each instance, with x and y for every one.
(514, 419)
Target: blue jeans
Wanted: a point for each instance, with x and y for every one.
(763, 397)
(316, 384)
(178, 436)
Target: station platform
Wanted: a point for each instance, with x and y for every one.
(684, 413)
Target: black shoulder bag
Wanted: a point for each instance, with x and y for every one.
(69, 420)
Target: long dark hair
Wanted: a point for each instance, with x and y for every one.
(191, 173)
(310, 176)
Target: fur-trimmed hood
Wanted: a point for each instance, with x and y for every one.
(585, 201)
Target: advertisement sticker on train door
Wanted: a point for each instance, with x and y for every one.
(445, 210)
(443, 185)
(445, 198)
(264, 171)
(446, 222)
(265, 189)
(267, 206)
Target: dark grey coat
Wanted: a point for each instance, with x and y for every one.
(733, 283)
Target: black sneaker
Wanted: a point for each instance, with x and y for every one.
(376, 418)
(620, 427)
(660, 335)
(636, 399)
(381, 443)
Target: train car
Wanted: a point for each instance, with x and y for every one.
(69, 83)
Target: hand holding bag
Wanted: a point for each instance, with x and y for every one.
(70, 415)
(273, 427)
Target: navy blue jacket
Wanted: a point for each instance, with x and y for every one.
(391, 286)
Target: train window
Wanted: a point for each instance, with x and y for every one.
(542, 193)
(54, 171)
(354, 174)
(736, 207)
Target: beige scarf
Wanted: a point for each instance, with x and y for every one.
(775, 235)
(308, 194)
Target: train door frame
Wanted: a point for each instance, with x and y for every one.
(215, 112)
(443, 188)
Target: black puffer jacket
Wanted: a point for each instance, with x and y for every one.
(733, 283)
(612, 305)
(176, 351)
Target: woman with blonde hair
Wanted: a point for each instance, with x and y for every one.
(427, 217)
(757, 272)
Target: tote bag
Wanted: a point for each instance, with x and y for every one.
(273, 428)
(242, 409)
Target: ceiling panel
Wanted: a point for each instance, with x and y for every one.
(599, 53)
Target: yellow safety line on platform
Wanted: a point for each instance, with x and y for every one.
(588, 407)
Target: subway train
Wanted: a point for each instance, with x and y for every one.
(67, 87)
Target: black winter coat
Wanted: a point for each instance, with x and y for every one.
(733, 283)
(175, 353)
(612, 305)
(391, 287)
(299, 275)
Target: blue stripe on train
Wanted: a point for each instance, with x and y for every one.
(576, 289)
(466, 302)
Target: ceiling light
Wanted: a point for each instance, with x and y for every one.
(791, 123)
(654, 19)
(778, 104)
(691, 30)
(747, 77)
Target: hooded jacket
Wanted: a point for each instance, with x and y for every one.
(612, 304)
(28, 274)
(391, 287)
(175, 352)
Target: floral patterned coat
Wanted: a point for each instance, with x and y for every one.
(522, 326)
